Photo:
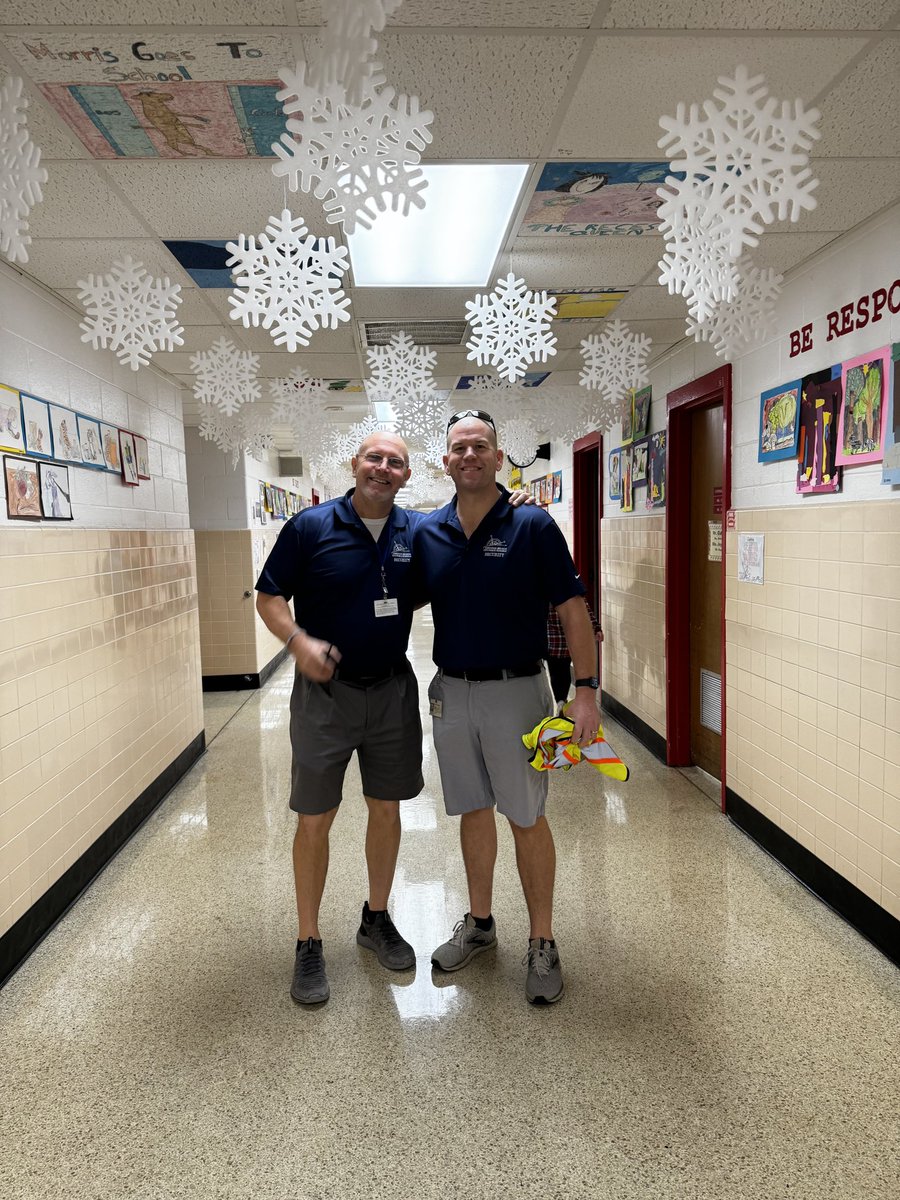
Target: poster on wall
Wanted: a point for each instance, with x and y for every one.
(109, 437)
(641, 422)
(64, 426)
(751, 557)
(615, 474)
(639, 453)
(36, 426)
(23, 492)
(91, 443)
(143, 456)
(56, 499)
(11, 436)
(627, 503)
(628, 418)
(890, 472)
(128, 457)
(656, 471)
(779, 411)
(863, 416)
(820, 406)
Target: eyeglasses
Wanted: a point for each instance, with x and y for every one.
(375, 460)
(472, 412)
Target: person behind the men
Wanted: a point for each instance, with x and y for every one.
(346, 564)
(559, 661)
(490, 572)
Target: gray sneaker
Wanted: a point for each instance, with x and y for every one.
(466, 941)
(544, 983)
(383, 936)
(310, 984)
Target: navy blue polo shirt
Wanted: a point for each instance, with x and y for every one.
(489, 593)
(327, 562)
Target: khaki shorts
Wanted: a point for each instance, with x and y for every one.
(331, 720)
(478, 738)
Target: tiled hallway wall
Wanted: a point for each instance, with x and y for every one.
(632, 592)
(233, 639)
(813, 685)
(99, 688)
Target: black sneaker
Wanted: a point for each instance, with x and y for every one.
(310, 984)
(381, 935)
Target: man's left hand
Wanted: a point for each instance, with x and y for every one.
(519, 497)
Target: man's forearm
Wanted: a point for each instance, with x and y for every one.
(276, 615)
(576, 623)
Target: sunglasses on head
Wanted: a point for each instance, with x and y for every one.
(472, 412)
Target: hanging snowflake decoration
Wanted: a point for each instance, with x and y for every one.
(130, 312)
(423, 419)
(615, 360)
(298, 397)
(567, 413)
(511, 327)
(248, 433)
(752, 154)
(502, 399)
(425, 486)
(748, 319)
(349, 48)
(21, 173)
(291, 281)
(697, 263)
(401, 370)
(226, 376)
(356, 158)
(435, 447)
(520, 439)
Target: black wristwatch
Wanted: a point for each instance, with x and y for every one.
(593, 682)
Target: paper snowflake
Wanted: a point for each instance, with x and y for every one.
(226, 376)
(502, 399)
(511, 327)
(520, 439)
(697, 263)
(130, 312)
(400, 371)
(753, 154)
(423, 418)
(348, 47)
(615, 360)
(298, 398)
(748, 319)
(435, 447)
(356, 158)
(567, 413)
(425, 486)
(291, 281)
(21, 175)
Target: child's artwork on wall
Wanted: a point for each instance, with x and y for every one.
(863, 416)
(639, 453)
(820, 406)
(91, 443)
(627, 503)
(129, 458)
(751, 558)
(628, 418)
(779, 412)
(36, 426)
(656, 471)
(56, 500)
(109, 437)
(66, 443)
(11, 436)
(143, 457)
(615, 474)
(23, 493)
(890, 472)
(641, 424)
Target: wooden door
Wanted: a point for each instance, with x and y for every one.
(706, 567)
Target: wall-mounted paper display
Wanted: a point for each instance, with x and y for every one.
(615, 474)
(129, 458)
(23, 491)
(91, 443)
(890, 472)
(56, 499)
(863, 416)
(820, 406)
(143, 457)
(109, 437)
(641, 423)
(656, 471)
(639, 452)
(751, 557)
(627, 503)
(11, 436)
(36, 426)
(779, 424)
(66, 443)
(628, 418)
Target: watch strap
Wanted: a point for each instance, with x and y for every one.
(592, 682)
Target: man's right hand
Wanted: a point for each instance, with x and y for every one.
(315, 659)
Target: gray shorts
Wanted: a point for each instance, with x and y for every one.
(331, 720)
(478, 738)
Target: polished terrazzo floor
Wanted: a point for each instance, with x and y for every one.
(723, 1035)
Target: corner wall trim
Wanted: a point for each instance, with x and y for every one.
(241, 683)
(859, 910)
(647, 736)
(34, 925)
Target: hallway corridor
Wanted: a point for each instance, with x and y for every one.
(723, 1035)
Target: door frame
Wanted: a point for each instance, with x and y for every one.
(706, 392)
(586, 491)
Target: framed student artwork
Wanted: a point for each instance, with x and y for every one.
(890, 471)
(11, 435)
(56, 499)
(36, 426)
(641, 426)
(91, 443)
(820, 406)
(143, 457)
(656, 471)
(639, 452)
(109, 439)
(23, 489)
(779, 422)
(863, 418)
(615, 474)
(64, 426)
(627, 501)
(628, 418)
(128, 455)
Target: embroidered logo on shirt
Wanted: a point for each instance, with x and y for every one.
(494, 548)
(400, 553)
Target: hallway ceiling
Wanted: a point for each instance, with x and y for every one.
(533, 81)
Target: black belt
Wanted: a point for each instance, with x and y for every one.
(481, 675)
(357, 679)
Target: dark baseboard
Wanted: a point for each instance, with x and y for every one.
(859, 910)
(34, 925)
(648, 737)
(241, 683)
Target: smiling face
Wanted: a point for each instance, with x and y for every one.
(472, 459)
(380, 468)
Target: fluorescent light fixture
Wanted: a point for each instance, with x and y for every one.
(453, 241)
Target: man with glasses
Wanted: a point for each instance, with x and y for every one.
(490, 572)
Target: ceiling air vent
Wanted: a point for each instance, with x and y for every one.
(423, 333)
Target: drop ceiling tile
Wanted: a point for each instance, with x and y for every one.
(848, 193)
(567, 263)
(547, 14)
(154, 12)
(785, 250)
(62, 262)
(859, 117)
(651, 302)
(624, 123)
(45, 128)
(757, 14)
(396, 304)
(79, 202)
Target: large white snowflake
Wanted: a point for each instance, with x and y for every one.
(348, 47)
(401, 371)
(423, 419)
(291, 281)
(248, 432)
(748, 319)
(567, 413)
(511, 327)
(21, 173)
(615, 360)
(356, 158)
(752, 152)
(697, 263)
(130, 312)
(502, 399)
(520, 439)
(226, 376)
(425, 486)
